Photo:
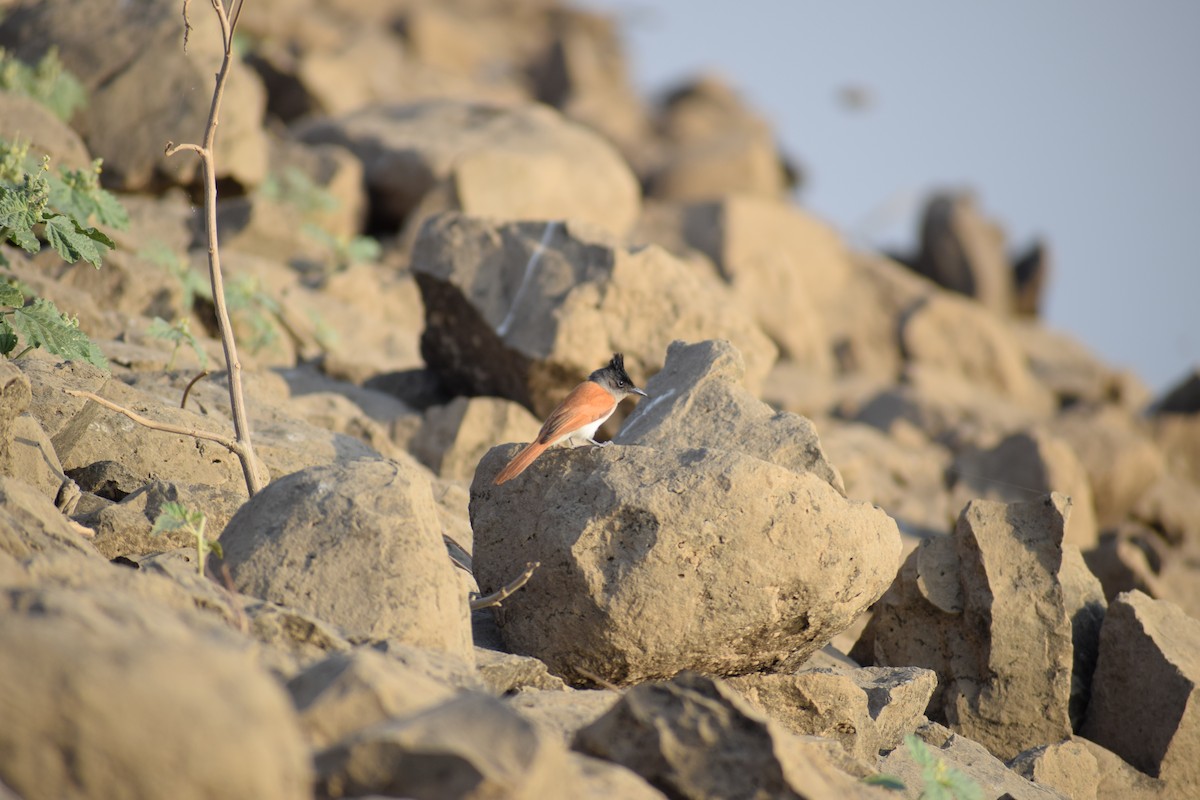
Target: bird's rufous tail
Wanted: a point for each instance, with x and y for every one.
(520, 461)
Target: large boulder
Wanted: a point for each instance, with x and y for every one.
(985, 609)
(699, 399)
(524, 162)
(1146, 690)
(964, 251)
(131, 703)
(527, 310)
(359, 545)
(659, 560)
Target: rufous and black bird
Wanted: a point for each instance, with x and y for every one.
(579, 415)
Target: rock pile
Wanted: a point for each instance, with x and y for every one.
(873, 524)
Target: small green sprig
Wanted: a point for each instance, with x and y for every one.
(178, 517)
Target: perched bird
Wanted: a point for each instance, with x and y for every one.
(579, 415)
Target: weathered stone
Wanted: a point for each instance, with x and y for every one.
(723, 563)
(506, 673)
(781, 262)
(1182, 398)
(714, 145)
(34, 461)
(1074, 373)
(358, 544)
(468, 747)
(353, 690)
(1120, 458)
(73, 732)
(25, 120)
(906, 479)
(454, 437)
(1085, 603)
(528, 310)
(963, 251)
(562, 712)
(699, 397)
(524, 162)
(1068, 767)
(681, 735)
(953, 335)
(985, 609)
(1146, 689)
(865, 710)
(1023, 465)
(970, 758)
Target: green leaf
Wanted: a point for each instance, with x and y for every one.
(214, 547)
(48, 83)
(74, 242)
(176, 516)
(77, 194)
(10, 295)
(43, 325)
(886, 781)
(8, 337)
(18, 215)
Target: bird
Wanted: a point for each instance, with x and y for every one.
(578, 416)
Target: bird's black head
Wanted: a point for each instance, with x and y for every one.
(614, 378)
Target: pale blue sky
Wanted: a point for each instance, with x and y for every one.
(1076, 119)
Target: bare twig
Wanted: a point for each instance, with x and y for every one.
(596, 679)
(232, 445)
(207, 155)
(506, 591)
(188, 389)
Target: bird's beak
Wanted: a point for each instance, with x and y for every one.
(636, 390)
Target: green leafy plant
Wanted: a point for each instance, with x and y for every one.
(34, 206)
(253, 307)
(942, 781)
(178, 517)
(48, 82)
(346, 250)
(41, 324)
(294, 188)
(179, 333)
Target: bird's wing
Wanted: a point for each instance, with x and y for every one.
(587, 402)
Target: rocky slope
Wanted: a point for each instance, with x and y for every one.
(869, 498)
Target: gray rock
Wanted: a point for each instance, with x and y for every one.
(865, 710)
(454, 437)
(955, 336)
(89, 695)
(562, 712)
(682, 735)
(1068, 767)
(1121, 460)
(471, 746)
(1146, 687)
(506, 673)
(964, 252)
(358, 544)
(353, 690)
(986, 610)
(528, 310)
(26, 120)
(523, 162)
(1021, 466)
(699, 400)
(654, 561)
(970, 758)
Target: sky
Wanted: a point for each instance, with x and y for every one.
(1075, 120)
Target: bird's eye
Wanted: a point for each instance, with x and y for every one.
(620, 383)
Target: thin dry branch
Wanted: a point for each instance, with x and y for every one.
(506, 591)
(188, 389)
(232, 445)
(207, 155)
